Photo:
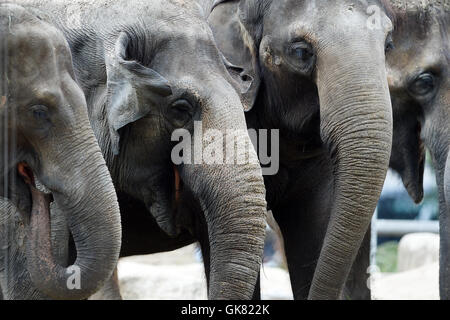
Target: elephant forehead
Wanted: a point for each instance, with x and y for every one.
(418, 4)
(323, 10)
(192, 6)
(413, 54)
(192, 58)
(318, 20)
(179, 24)
(174, 16)
(37, 51)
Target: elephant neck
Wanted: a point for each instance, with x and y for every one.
(298, 142)
(294, 152)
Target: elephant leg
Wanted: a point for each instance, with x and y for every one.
(1, 294)
(357, 287)
(303, 233)
(110, 290)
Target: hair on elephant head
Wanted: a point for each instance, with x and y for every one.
(317, 71)
(418, 75)
(47, 141)
(157, 72)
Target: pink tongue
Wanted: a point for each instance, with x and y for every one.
(41, 202)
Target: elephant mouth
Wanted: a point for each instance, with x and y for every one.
(166, 199)
(40, 199)
(178, 183)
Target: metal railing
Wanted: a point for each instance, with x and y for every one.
(397, 228)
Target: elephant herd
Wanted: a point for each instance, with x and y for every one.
(92, 92)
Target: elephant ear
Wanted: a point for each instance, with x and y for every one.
(251, 16)
(244, 83)
(239, 53)
(132, 89)
(408, 152)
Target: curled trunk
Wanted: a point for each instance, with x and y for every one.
(90, 204)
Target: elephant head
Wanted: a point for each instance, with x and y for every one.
(46, 137)
(320, 64)
(418, 76)
(165, 80)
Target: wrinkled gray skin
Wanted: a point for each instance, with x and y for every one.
(145, 74)
(44, 124)
(315, 71)
(418, 76)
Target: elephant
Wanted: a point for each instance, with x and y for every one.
(315, 70)
(418, 77)
(49, 154)
(147, 76)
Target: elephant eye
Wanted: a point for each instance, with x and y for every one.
(423, 84)
(182, 106)
(389, 46)
(181, 112)
(302, 56)
(302, 51)
(40, 112)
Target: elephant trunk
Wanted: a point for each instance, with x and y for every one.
(447, 181)
(440, 152)
(232, 197)
(444, 224)
(441, 160)
(356, 127)
(436, 136)
(93, 217)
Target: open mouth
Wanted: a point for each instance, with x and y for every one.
(40, 198)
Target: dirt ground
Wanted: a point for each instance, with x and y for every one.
(179, 275)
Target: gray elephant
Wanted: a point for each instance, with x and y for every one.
(47, 140)
(316, 71)
(146, 75)
(418, 75)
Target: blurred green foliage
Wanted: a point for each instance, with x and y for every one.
(387, 256)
